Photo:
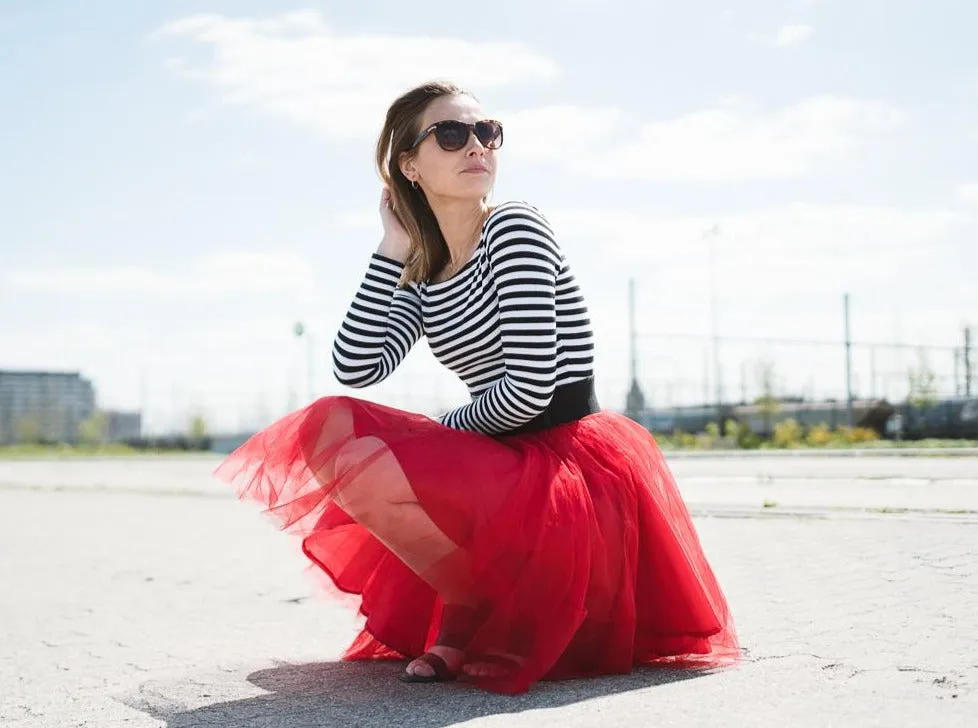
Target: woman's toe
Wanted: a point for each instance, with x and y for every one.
(420, 669)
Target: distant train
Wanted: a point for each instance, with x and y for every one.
(951, 418)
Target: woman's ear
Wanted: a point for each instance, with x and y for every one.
(408, 168)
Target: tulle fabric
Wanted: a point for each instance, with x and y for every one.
(574, 540)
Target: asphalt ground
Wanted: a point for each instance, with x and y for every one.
(139, 592)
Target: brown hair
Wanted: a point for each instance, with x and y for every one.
(429, 251)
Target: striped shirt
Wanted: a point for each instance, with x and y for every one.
(511, 323)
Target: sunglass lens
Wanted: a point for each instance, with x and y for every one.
(452, 135)
(490, 134)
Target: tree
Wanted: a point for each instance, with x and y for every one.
(94, 430)
(922, 383)
(198, 427)
(767, 402)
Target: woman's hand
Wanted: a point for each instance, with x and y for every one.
(396, 243)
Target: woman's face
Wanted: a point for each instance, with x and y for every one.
(466, 174)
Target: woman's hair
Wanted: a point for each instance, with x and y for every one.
(429, 251)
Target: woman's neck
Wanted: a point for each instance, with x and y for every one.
(461, 224)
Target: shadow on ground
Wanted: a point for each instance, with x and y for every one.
(368, 695)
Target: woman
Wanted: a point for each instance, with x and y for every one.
(526, 534)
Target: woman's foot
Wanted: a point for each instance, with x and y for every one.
(444, 662)
(494, 665)
(439, 664)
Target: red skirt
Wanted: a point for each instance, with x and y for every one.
(575, 537)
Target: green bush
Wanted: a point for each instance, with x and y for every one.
(687, 441)
(857, 435)
(787, 434)
(819, 436)
(750, 441)
(741, 434)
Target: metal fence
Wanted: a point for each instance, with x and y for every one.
(681, 369)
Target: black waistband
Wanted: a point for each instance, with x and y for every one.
(570, 403)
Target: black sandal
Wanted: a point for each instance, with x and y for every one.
(441, 671)
(458, 624)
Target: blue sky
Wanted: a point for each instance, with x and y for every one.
(182, 181)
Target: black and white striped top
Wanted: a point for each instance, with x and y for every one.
(511, 323)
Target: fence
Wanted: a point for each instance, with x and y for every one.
(682, 369)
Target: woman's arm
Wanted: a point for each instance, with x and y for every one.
(383, 321)
(381, 326)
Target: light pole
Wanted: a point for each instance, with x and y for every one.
(710, 236)
(848, 345)
(299, 330)
(634, 399)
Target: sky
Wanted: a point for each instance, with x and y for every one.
(181, 182)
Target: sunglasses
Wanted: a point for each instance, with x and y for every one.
(453, 135)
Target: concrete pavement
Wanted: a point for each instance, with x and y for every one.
(141, 594)
(776, 484)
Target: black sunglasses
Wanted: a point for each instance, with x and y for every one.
(453, 135)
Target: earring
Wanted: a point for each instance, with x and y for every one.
(414, 184)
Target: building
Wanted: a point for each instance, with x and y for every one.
(40, 406)
(123, 426)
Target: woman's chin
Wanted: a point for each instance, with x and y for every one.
(474, 193)
(480, 187)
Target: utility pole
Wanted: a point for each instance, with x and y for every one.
(967, 361)
(872, 372)
(634, 400)
(849, 418)
(710, 236)
(956, 357)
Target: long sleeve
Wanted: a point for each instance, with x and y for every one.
(524, 260)
(381, 326)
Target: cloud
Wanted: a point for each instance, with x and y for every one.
(787, 36)
(297, 67)
(799, 228)
(568, 129)
(730, 142)
(362, 219)
(214, 275)
(968, 193)
(764, 254)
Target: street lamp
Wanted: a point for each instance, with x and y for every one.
(299, 330)
(710, 236)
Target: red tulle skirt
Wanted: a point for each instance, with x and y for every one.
(575, 541)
